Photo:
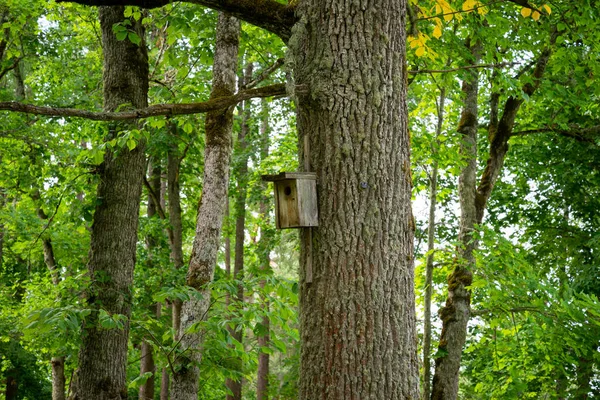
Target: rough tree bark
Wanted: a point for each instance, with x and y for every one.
(433, 180)
(235, 385)
(473, 199)
(103, 352)
(358, 313)
(203, 260)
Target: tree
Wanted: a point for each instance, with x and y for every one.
(103, 353)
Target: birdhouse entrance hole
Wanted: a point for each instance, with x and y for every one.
(295, 199)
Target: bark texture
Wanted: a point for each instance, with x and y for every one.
(433, 180)
(455, 314)
(217, 156)
(103, 353)
(358, 313)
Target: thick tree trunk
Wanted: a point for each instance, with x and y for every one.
(103, 353)
(433, 180)
(217, 155)
(262, 376)
(358, 311)
(235, 385)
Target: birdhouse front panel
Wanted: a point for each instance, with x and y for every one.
(295, 199)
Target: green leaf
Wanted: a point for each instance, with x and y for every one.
(134, 38)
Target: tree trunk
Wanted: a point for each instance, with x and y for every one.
(176, 235)
(262, 378)
(147, 365)
(57, 363)
(235, 385)
(433, 180)
(585, 372)
(164, 385)
(455, 314)
(357, 312)
(217, 155)
(12, 385)
(147, 357)
(58, 378)
(473, 199)
(103, 353)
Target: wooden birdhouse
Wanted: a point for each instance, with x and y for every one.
(295, 199)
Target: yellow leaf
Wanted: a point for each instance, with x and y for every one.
(437, 32)
(526, 12)
(420, 51)
(448, 17)
(547, 8)
(468, 5)
(482, 10)
(413, 42)
(535, 15)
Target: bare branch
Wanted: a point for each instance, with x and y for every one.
(443, 71)
(578, 133)
(264, 74)
(267, 14)
(152, 111)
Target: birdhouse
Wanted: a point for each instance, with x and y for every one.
(295, 199)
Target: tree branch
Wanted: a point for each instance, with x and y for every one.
(442, 71)
(152, 111)
(264, 74)
(267, 14)
(576, 132)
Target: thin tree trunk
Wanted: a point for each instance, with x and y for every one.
(164, 384)
(176, 237)
(58, 378)
(12, 385)
(585, 372)
(103, 352)
(455, 314)
(262, 376)
(357, 312)
(147, 363)
(217, 155)
(57, 363)
(235, 385)
(430, 255)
